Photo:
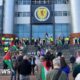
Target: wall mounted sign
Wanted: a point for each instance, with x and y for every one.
(42, 13)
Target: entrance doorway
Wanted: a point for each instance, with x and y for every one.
(39, 31)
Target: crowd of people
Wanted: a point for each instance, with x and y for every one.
(44, 64)
(47, 41)
(47, 66)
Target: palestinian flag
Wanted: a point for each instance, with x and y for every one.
(44, 70)
(7, 60)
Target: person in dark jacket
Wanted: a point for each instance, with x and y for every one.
(19, 60)
(76, 67)
(20, 57)
(76, 70)
(72, 59)
(24, 69)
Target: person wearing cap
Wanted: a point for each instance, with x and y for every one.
(56, 73)
(24, 69)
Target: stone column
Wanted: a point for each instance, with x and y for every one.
(8, 17)
(75, 15)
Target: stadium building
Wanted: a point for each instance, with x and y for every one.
(35, 18)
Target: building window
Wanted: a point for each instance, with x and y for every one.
(22, 14)
(22, 30)
(61, 1)
(41, 1)
(18, 2)
(23, 2)
(62, 13)
(62, 30)
(65, 13)
(58, 13)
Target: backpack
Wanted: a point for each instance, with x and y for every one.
(58, 75)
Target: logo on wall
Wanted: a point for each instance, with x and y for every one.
(42, 13)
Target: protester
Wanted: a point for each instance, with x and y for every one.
(7, 60)
(15, 66)
(24, 69)
(72, 61)
(32, 63)
(56, 73)
(64, 66)
(43, 68)
(76, 69)
(20, 57)
(19, 60)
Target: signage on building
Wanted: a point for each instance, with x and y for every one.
(41, 14)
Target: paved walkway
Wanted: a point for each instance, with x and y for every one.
(31, 78)
(8, 78)
(4, 77)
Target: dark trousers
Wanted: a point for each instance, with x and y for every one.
(13, 75)
(33, 68)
